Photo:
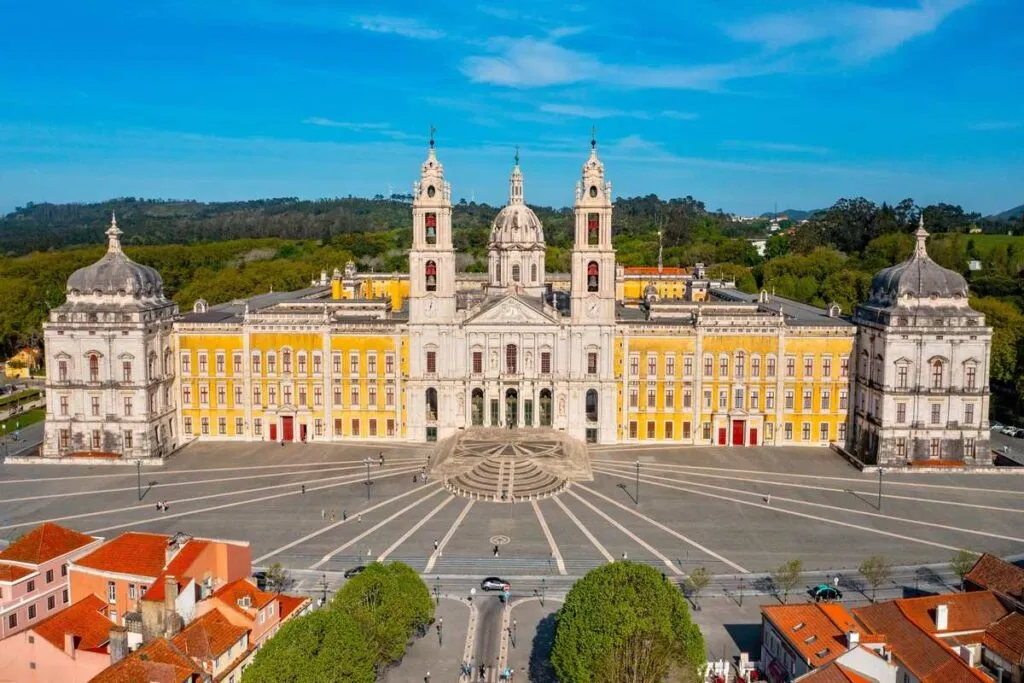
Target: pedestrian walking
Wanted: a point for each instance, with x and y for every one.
(323, 514)
(332, 516)
(414, 479)
(158, 506)
(768, 499)
(344, 515)
(303, 489)
(495, 550)
(624, 557)
(359, 519)
(435, 545)
(382, 459)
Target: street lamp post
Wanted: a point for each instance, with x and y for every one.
(437, 590)
(513, 633)
(542, 587)
(636, 499)
(369, 483)
(138, 470)
(472, 592)
(4, 437)
(879, 488)
(440, 630)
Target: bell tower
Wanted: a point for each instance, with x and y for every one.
(593, 258)
(432, 257)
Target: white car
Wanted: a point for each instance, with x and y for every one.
(1009, 430)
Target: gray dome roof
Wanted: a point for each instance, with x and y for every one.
(115, 273)
(516, 223)
(917, 277)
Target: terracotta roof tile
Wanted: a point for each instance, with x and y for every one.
(290, 603)
(653, 270)
(178, 567)
(995, 574)
(87, 619)
(1006, 637)
(967, 611)
(818, 631)
(134, 552)
(12, 572)
(209, 636)
(44, 543)
(231, 593)
(925, 655)
(833, 673)
(155, 662)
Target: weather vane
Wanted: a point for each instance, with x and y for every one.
(593, 137)
(432, 131)
(517, 155)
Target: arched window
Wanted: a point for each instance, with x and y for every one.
(477, 407)
(515, 272)
(430, 270)
(592, 276)
(511, 359)
(497, 271)
(937, 374)
(94, 368)
(286, 360)
(740, 364)
(591, 405)
(533, 273)
(431, 227)
(593, 221)
(545, 407)
(431, 404)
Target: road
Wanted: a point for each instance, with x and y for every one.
(29, 440)
(1015, 445)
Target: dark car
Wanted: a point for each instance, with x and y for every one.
(354, 571)
(493, 583)
(1019, 434)
(824, 592)
(261, 580)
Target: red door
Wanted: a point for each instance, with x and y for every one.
(273, 432)
(287, 428)
(302, 431)
(721, 436)
(738, 427)
(753, 436)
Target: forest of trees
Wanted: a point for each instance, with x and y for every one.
(226, 250)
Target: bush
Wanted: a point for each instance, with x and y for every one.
(624, 622)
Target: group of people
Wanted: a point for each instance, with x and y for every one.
(507, 674)
(161, 506)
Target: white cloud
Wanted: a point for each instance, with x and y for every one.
(851, 32)
(532, 63)
(347, 125)
(777, 147)
(584, 112)
(406, 27)
(566, 31)
(995, 125)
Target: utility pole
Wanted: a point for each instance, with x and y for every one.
(138, 470)
(879, 489)
(437, 590)
(636, 499)
(369, 483)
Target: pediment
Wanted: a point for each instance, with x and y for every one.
(511, 310)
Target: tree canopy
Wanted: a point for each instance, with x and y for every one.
(625, 622)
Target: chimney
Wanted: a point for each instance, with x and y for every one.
(170, 592)
(966, 654)
(942, 617)
(852, 639)
(118, 645)
(70, 644)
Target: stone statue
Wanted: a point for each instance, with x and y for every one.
(462, 403)
(529, 361)
(494, 360)
(561, 405)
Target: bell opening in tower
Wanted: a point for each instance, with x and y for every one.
(592, 276)
(431, 276)
(593, 221)
(431, 228)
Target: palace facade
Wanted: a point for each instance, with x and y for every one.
(605, 354)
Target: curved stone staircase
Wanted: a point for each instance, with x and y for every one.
(503, 479)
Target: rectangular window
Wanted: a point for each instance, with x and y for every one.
(668, 430)
(478, 362)
(238, 395)
(63, 405)
(354, 396)
(545, 362)
(634, 397)
(969, 448)
(826, 400)
(286, 361)
(670, 399)
(96, 439)
(390, 426)
(355, 427)
(723, 400)
(634, 365)
(971, 377)
(937, 375)
(769, 399)
(737, 399)
(12, 620)
(652, 365)
(371, 396)
(389, 396)
(186, 363)
(131, 591)
(709, 366)
(371, 363)
(652, 398)
(389, 364)
(220, 363)
(127, 437)
(188, 425)
(31, 587)
(808, 366)
(688, 366)
(650, 430)
(901, 376)
(337, 394)
(807, 399)
(823, 429)
(936, 413)
(791, 367)
(236, 363)
(353, 363)
(844, 367)
(687, 398)
(431, 362)
(739, 366)
(51, 603)
(286, 394)
(770, 370)
(204, 426)
(95, 403)
(318, 427)
(257, 396)
(769, 431)
(373, 427)
(31, 612)
(670, 366)
(126, 371)
(336, 363)
(706, 431)
(707, 400)
(754, 400)
(632, 429)
(843, 399)
(806, 431)
(222, 396)
(318, 395)
(239, 428)
(686, 430)
(203, 366)
(301, 359)
(65, 438)
(257, 426)
(788, 431)
(222, 426)
(969, 413)
(755, 366)
(901, 413)
(934, 449)
(302, 396)
(271, 364)
(111, 592)
(592, 362)
(789, 399)
(842, 432)
(62, 370)
(826, 367)
(723, 366)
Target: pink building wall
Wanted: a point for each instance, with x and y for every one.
(16, 598)
(19, 652)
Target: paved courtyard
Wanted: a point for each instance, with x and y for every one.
(733, 511)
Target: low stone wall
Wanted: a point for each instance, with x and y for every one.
(1015, 468)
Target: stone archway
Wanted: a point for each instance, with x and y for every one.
(511, 408)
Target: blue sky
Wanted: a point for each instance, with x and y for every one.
(740, 103)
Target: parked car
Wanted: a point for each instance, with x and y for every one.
(493, 583)
(354, 571)
(826, 593)
(995, 426)
(1008, 430)
(1019, 434)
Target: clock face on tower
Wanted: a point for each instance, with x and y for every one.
(430, 308)
(593, 308)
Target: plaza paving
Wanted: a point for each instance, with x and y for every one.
(733, 511)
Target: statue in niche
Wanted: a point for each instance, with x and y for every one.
(529, 360)
(461, 403)
(494, 360)
(561, 405)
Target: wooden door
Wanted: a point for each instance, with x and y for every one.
(288, 428)
(722, 436)
(273, 432)
(753, 437)
(738, 428)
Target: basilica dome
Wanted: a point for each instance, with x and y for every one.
(115, 273)
(918, 277)
(516, 223)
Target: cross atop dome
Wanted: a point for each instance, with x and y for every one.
(515, 183)
(921, 235)
(113, 235)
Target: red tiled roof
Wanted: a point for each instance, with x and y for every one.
(290, 603)
(156, 662)
(209, 636)
(967, 611)
(44, 543)
(12, 572)
(653, 270)
(1006, 637)
(178, 567)
(995, 574)
(87, 619)
(818, 631)
(833, 673)
(231, 593)
(134, 552)
(927, 657)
